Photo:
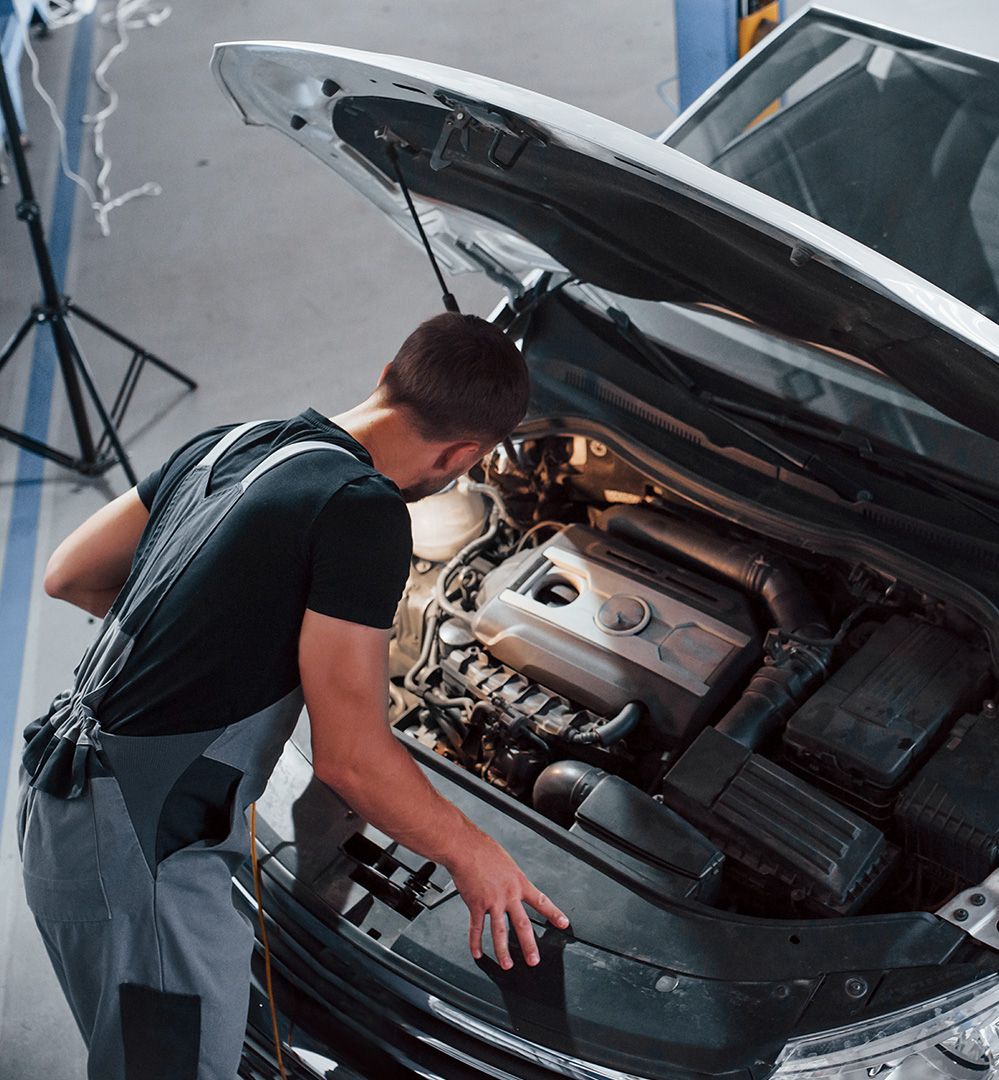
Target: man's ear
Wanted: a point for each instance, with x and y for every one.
(450, 454)
(381, 378)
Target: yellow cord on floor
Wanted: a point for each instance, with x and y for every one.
(263, 937)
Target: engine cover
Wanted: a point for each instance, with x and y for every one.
(605, 623)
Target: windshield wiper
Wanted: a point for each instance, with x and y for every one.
(860, 445)
(802, 460)
(843, 438)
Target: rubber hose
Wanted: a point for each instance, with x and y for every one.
(776, 688)
(610, 730)
(750, 567)
(562, 786)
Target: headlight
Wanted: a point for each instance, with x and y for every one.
(954, 1035)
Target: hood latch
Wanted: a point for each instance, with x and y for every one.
(466, 112)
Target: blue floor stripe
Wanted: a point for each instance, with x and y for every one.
(22, 539)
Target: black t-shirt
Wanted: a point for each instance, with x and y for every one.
(223, 644)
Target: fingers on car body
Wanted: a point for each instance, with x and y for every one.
(543, 906)
(521, 924)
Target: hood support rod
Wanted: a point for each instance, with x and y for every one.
(392, 141)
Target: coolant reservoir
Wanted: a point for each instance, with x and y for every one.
(445, 522)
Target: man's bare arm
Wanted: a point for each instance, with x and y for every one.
(344, 671)
(90, 566)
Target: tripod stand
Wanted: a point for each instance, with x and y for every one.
(54, 311)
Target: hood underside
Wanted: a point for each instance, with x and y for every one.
(506, 181)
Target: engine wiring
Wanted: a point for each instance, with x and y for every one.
(557, 525)
(440, 589)
(440, 604)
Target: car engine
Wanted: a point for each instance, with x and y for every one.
(601, 621)
(763, 730)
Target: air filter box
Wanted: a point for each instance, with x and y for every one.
(649, 838)
(863, 732)
(949, 815)
(776, 828)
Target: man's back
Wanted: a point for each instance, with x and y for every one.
(223, 642)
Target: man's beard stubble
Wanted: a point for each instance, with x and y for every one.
(415, 492)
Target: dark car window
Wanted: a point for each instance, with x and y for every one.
(889, 140)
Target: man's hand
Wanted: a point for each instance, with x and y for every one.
(344, 671)
(90, 566)
(490, 882)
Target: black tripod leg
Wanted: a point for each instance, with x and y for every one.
(99, 324)
(66, 347)
(122, 398)
(36, 446)
(19, 335)
(109, 425)
(54, 310)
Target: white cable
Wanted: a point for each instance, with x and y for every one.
(145, 18)
(66, 12)
(126, 15)
(57, 121)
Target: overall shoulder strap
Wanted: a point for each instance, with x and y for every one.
(285, 452)
(226, 441)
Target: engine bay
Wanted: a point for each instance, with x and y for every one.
(765, 730)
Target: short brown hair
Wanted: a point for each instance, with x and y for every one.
(460, 377)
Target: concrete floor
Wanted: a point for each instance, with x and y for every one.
(258, 272)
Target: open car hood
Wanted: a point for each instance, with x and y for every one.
(506, 181)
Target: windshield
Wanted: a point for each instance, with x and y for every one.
(803, 378)
(892, 141)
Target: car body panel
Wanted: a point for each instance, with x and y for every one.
(884, 136)
(612, 206)
(710, 993)
(963, 26)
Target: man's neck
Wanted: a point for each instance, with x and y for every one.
(379, 431)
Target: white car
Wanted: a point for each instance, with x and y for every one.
(711, 643)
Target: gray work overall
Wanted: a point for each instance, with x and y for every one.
(153, 958)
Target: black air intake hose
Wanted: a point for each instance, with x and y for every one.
(749, 567)
(562, 786)
(774, 692)
(779, 687)
(608, 731)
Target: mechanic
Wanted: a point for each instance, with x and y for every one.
(258, 569)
